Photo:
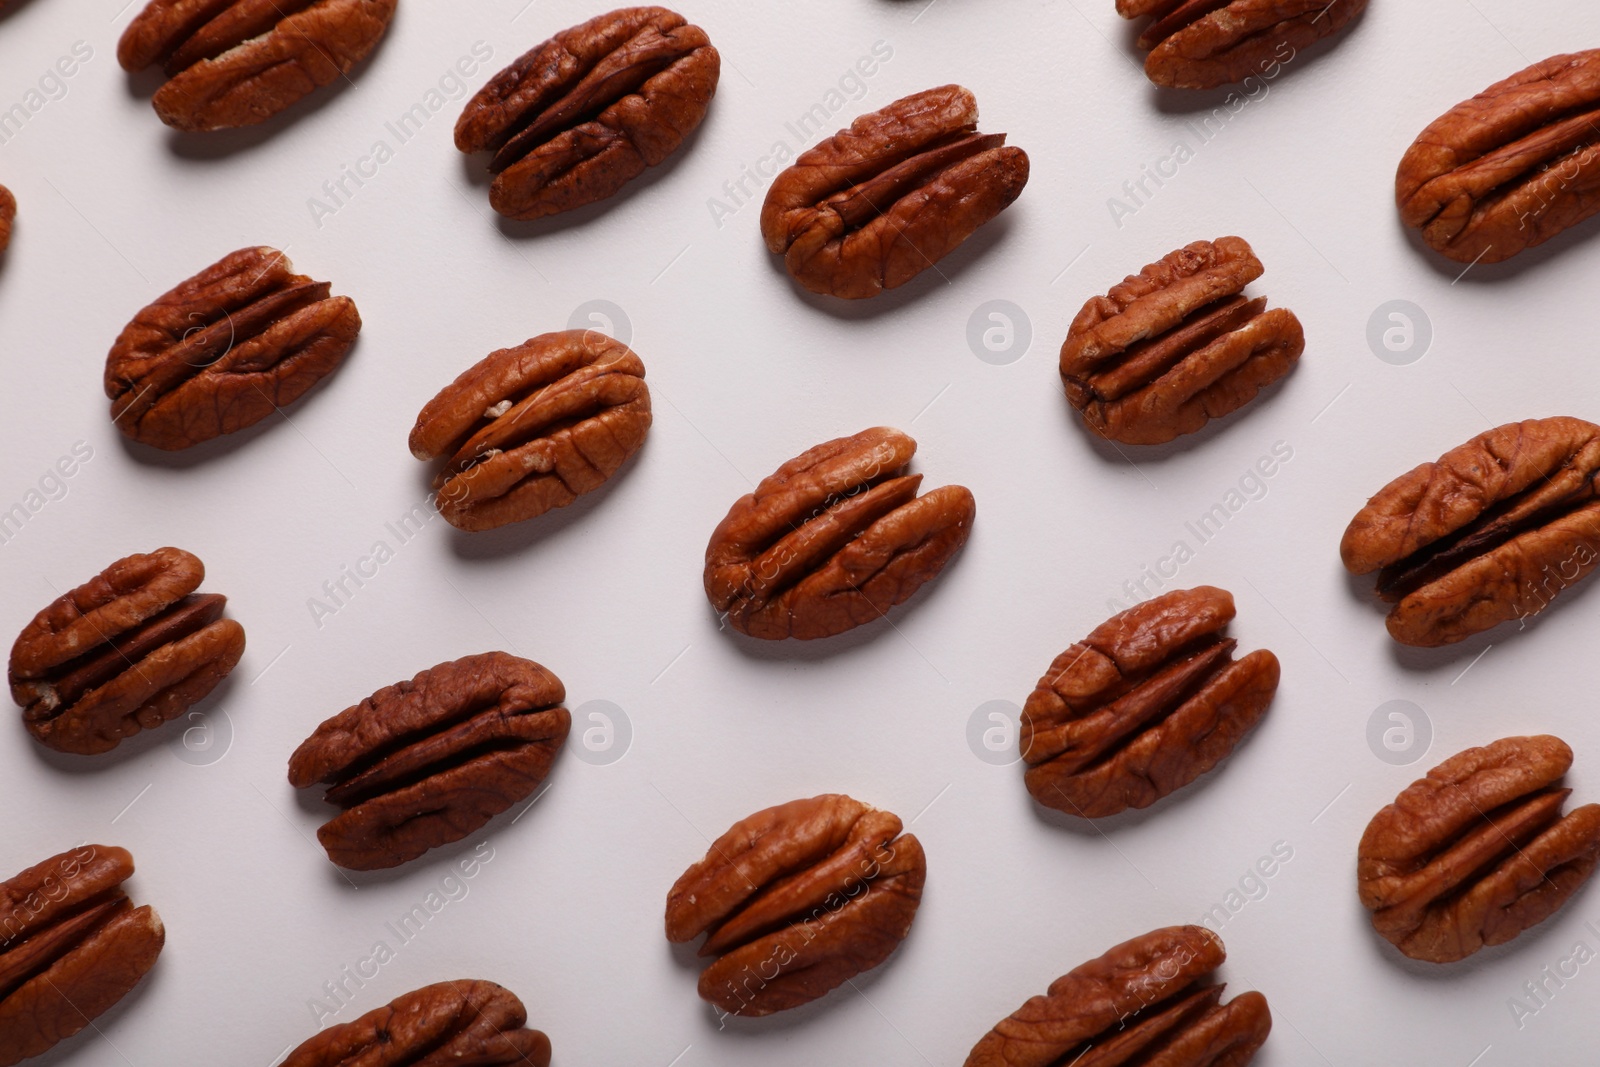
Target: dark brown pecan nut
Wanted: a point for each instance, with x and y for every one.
(879, 203)
(447, 1024)
(8, 214)
(584, 113)
(1478, 851)
(126, 651)
(423, 763)
(1150, 1000)
(1510, 168)
(1176, 345)
(1492, 531)
(1201, 44)
(1144, 705)
(834, 538)
(71, 945)
(239, 62)
(530, 428)
(225, 349)
(796, 900)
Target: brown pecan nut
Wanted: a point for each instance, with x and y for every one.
(423, 763)
(1176, 345)
(126, 651)
(447, 1024)
(879, 203)
(530, 428)
(225, 349)
(1490, 532)
(1144, 705)
(1201, 44)
(796, 900)
(584, 113)
(71, 945)
(834, 538)
(239, 62)
(1478, 851)
(8, 214)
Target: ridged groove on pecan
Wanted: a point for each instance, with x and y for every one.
(441, 1025)
(1201, 44)
(8, 214)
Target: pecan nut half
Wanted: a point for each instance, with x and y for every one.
(1176, 345)
(796, 900)
(126, 651)
(530, 428)
(239, 62)
(584, 113)
(834, 538)
(1150, 1000)
(1144, 705)
(1478, 851)
(225, 349)
(423, 763)
(71, 945)
(8, 215)
(879, 203)
(1201, 44)
(447, 1024)
(1492, 531)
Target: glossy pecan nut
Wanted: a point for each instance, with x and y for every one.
(879, 203)
(239, 62)
(834, 538)
(1176, 345)
(8, 214)
(796, 900)
(1492, 531)
(530, 428)
(225, 349)
(1510, 168)
(71, 945)
(1201, 44)
(1144, 705)
(126, 651)
(447, 1024)
(584, 113)
(1478, 851)
(423, 763)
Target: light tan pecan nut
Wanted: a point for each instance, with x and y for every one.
(584, 113)
(796, 900)
(1201, 44)
(1478, 851)
(530, 428)
(8, 215)
(71, 945)
(239, 62)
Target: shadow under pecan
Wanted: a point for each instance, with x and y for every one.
(1144, 705)
(1150, 1000)
(1510, 168)
(581, 115)
(423, 763)
(225, 349)
(879, 203)
(531, 428)
(467, 1023)
(834, 538)
(126, 651)
(1201, 44)
(8, 214)
(239, 62)
(71, 945)
(1492, 531)
(1176, 345)
(796, 900)
(1478, 851)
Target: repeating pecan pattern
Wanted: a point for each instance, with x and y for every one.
(879, 203)
(584, 113)
(1151, 1000)
(1511, 167)
(71, 945)
(8, 215)
(1176, 345)
(126, 651)
(530, 428)
(834, 538)
(1492, 531)
(225, 349)
(425, 762)
(1201, 44)
(1144, 705)
(796, 900)
(1478, 851)
(239, 62)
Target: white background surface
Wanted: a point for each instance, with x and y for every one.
(746, 371)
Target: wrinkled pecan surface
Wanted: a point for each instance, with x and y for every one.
(8, 214)
(1201, 44)
(467, 1023)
